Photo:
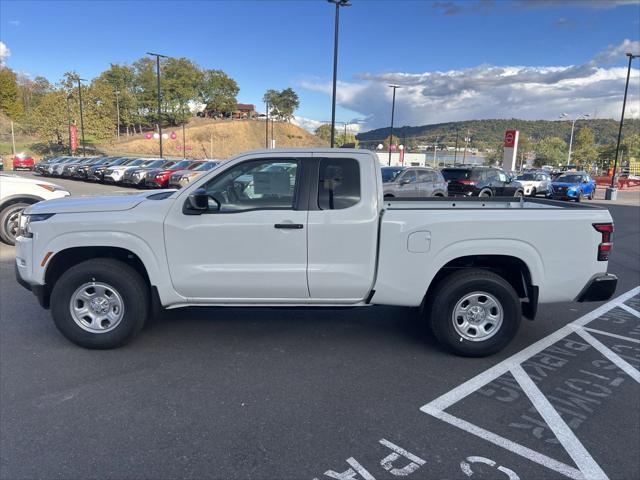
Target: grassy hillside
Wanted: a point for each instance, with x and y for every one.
(215, 139)
(489, 133)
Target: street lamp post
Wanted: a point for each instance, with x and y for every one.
(624, 103)
(266, 132)
(573, 124)
(69, 123)
(84, 153)
(158, 56)
(393, 109)
(338, 4)
(455, 152)
(118, 114)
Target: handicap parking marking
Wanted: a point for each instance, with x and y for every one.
(587, 467)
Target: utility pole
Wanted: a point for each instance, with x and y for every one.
(69, 123)
(13, 141)
(266, 131)
(158, 56)
(466, 140)
(84, 153)
(338, 4)
(393, 109)
(455, 152)
(435, 147)
(118, 114)
(624, 103)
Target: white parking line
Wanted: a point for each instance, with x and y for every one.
(587, 465)
(632, 311)
(608, 334)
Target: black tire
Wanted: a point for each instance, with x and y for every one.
(485, 193)
(128, 283)
(579, 197)
(534, 192)
(442, 301)
(592, 194)
(518, 193)
(8, 222)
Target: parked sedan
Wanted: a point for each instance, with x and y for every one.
(23, 162)
(41, 165)
(183, 177)
(160, 178)
(95, 173)
(481, 182)
(56, 169)
(416, 182)
(573, 186)
(137, 177)
(115, 174)
(535, 183)
(69, 169)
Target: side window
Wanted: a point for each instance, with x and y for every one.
(408, 176)
(502, 176)
(339, 183)
(425, 176)
(258, 184)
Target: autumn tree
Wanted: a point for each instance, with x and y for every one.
(9, 102)
(584, 151)
(324, 132)
(219, 92)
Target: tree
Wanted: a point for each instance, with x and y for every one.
(324, 132)
(9, 102)
(181, 80)
(348, 139)
(219, 92)
(584, 151)
(550, 151)
(282, 103)
(50, 117)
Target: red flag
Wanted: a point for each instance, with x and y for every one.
(73, 137)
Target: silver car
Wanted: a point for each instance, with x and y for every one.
(416, 182)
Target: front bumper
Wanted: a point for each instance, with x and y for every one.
(599, 288)
(40, 291)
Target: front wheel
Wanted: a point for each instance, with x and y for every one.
(474, 312)
(9, 217)
(579, 197)
(485, 193)
(100, 303)
(518, 193)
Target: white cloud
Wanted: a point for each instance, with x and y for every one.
(614, 53)
(488, 91)
(4, 53)
(307, 123)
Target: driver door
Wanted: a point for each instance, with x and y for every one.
(250, 245)
(408, 184)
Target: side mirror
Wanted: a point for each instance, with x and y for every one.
(405, 182)
(196, 203)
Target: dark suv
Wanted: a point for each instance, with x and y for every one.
(481, 182)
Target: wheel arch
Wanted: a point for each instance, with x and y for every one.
(10, 200)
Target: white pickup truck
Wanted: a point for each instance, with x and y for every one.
(309, 227)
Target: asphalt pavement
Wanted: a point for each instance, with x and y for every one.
(363, 393)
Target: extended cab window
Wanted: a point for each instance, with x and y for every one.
(259, 184)
(339, 183)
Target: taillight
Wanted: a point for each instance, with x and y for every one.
(466, 182)
(605, 247)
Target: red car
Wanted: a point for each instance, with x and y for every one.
(21, 162)
(160, 178)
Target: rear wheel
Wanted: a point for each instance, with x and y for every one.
(518, 193)
(9, 217)
(100, 303)
(474, 312)
(485, 193)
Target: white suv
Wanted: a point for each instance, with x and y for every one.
(17, 193)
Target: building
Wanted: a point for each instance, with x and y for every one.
(245, 110)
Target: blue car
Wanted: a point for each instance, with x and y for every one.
(573, 186)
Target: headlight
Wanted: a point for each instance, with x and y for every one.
(25, 221)
(51, 188)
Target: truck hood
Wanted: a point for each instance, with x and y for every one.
(110, 203)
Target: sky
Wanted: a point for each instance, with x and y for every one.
(454, 60)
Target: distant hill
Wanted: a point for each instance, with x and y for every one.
(215, 139)
(490, 133)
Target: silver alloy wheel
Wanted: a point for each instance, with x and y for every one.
(11, 225)
(96, 307)
(477, 316)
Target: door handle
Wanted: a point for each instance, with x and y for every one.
(291, 226)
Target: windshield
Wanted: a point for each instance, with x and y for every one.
(152, 163)
(137, 162)
(456, 174)
(389, 174)
(181, 165)
(526, 176)
(205, 166)
(569, 178)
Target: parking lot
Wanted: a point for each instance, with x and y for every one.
(302, 394)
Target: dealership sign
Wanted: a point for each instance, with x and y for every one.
(509, 161)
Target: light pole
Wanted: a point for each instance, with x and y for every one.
(624, 103)
(393, 109)
(455, 152)
(338, 4)
(573, 124)
(69, 123)
(266, 132)
(118, 114)
(158, 56)
(84, 153)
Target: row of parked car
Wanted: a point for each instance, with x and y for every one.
(126, 171)
(472, 180)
